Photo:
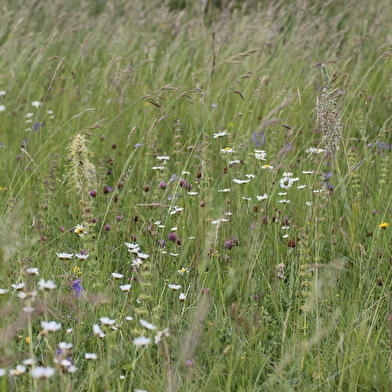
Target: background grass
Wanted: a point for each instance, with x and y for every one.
(298, 309)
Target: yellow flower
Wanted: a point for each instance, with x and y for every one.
(383, 225)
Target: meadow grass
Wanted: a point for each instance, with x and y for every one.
(195, 196)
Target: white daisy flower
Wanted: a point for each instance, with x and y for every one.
(183, 270)
(263, 197)
(64, 255)
(237, 181)
(91, 356)
(220, 134)
(107, 321)
(18, 286)
(125, 287)
(79, 230)
(50, 326)
(141, 341)
(20, 369)
(42, 372)
(81, 257)
(174, 286)
(137, 262)
(32, 271)
(182, 297)
(46, 286)
(147, 325)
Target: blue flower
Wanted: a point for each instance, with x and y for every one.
(77, 287)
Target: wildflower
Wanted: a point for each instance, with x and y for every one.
(193, 193)
(36, 104)
(246, 198)
(282, 193)
(125, 287)
(50, 326)
(217, 221)
(64, 346)
(309, 203)
(91, 356)
(116, 275)
(72, 369)
(160, 334)
(2, 93)
(106, 227)
(220, 134)
(240, 182)
(28, 295)
(182, 297)
(20, 369)
(301, 186)
(81, 256)
(163, 158)
(383, 225)
(260, 155)
(107, 321)
(162, 185)
(79, 230)
(263, 197)
(42, 372)
(141, 341)
(29, 362)
(64, 255)
(284, 201)
(77, 287)
(286, 182)
(227, 190)
(132, 246)
(18, 286)
(46, 286)
(3, 291)
(128, 318)
(267, 167)
(308, 172)
(2, 108)
(183, 270)
(97, 331)
(313, 150)
(250, 175)
(175, 209)
(158, 167)
(2, 372)
(174, 286)
(32, 271)
(28, 310)
(69, 331)
(147, 325)
(137, 262)
(227, 150)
